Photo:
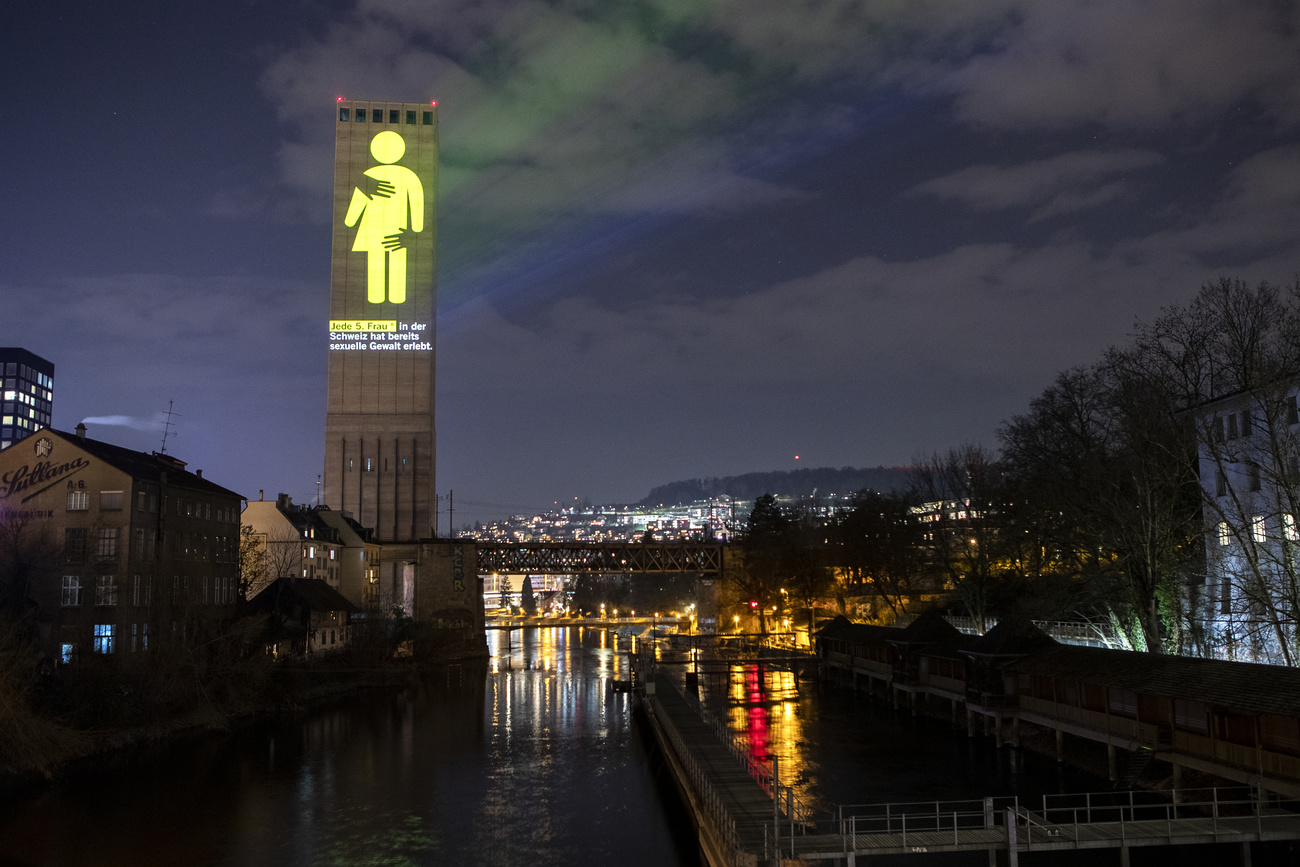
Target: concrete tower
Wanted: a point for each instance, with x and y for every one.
(379, 423)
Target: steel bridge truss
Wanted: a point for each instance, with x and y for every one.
(571, 558)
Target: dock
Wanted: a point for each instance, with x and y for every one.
(744, 817)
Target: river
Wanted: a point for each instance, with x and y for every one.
(532, 761)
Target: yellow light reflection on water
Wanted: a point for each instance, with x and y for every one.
(762, 710)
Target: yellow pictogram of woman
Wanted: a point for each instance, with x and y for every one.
(396, 207)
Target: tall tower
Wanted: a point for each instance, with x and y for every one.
(379, 422)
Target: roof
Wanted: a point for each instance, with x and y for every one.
(314, 593)
(142, 465)
(1012, 636)
(1242, 686)
(843, 629)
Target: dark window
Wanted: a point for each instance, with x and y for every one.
(361, 115)
(74, 544)
(410, 117)
(1220, 483)
(392, 115)
(1253, 471)
(344, 114)
(1232, 426)
(1218, 429)
(107, 545)
(427, 118)
(377, 115)
(1292, 411)
(110, 501)
(1245, 423)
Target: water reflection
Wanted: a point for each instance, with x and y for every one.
(528, 760)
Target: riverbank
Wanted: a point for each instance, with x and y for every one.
(79, 712)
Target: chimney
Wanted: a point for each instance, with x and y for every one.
(199, 473)
(81, 430)
(261, 494)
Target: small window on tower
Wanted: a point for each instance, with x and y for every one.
(392, 116)
(428, 118)
(410, 117)
(344, 114)
(361, 115)
(377, 115)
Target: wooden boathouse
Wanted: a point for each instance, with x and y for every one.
(1237, 721)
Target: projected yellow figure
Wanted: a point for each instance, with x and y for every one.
(396, 207)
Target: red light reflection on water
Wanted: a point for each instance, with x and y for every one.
(756, 723)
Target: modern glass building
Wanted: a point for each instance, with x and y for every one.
(28, 394)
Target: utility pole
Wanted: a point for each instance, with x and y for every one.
(451, 513)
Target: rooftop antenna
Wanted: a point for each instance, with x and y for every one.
(318, 490)
(168, 424)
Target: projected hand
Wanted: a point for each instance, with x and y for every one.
(395, 241)
(384, 189)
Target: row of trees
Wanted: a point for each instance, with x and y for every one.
(1094, 508)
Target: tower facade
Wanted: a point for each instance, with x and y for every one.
(379, 423)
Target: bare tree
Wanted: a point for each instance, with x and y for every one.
(252, 560)
(964, 489)
(1104, 472)
(879, 547)
(1233, 357)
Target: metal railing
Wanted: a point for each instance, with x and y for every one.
(1232, 813)
(707, 796)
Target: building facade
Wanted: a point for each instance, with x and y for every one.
(1247, 604)
(379, 426)
(120, 549)
(295, 543)
(28, 392)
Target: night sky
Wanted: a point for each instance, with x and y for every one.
(676, 238)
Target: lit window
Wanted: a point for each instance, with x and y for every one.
(78, 501)
(104, 634)
(1225, 535)
(1257, 529)
(71, 596)
(1289, 528)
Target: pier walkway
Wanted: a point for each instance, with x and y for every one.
(728, 791)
